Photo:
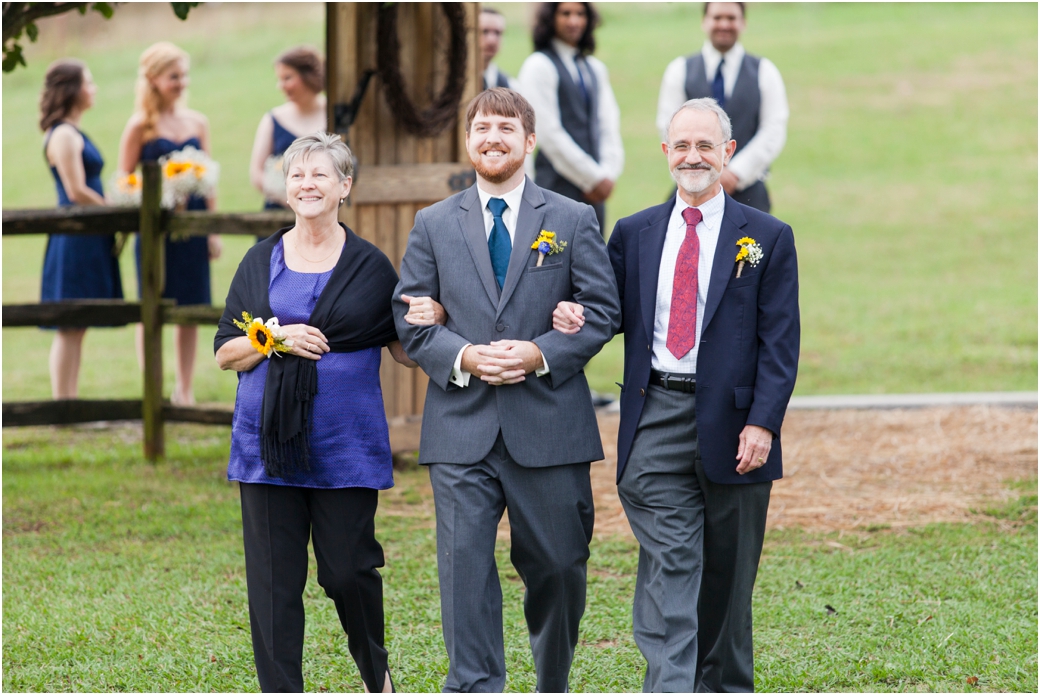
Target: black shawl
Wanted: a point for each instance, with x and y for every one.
(353, 312)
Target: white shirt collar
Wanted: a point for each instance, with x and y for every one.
(711, 53)
(564, 49)
(512, 198)
(711, 210)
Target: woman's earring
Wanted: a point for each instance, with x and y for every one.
(341, 200)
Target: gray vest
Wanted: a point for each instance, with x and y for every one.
(742, 106)
(580, 118)
(502, 81)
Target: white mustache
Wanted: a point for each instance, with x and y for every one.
(703, 167)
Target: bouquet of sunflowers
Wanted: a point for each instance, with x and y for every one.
(185, 173)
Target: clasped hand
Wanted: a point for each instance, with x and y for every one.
(503, 361)
(307, 341)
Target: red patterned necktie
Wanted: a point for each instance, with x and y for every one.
(682, 321)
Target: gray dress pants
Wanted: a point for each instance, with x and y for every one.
(550, 518)
(699, 546)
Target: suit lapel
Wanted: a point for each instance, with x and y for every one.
(471, 223)
(722, 267)
(528, 225)
(651, 246)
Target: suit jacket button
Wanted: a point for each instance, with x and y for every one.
(642, 392)
(648, 348)
(500, 327)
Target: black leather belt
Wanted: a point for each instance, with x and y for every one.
(687, 383)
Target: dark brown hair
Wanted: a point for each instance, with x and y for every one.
(499, 101)
(743, 10)
(308, 63)
(545, 28)
(61, 88)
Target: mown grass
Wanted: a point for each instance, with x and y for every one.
(121, 575)
(909, 177)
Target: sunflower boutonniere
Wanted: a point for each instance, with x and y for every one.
(750, 252)
(546, 245)
(268, 338)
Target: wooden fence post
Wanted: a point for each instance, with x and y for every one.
(152, 282)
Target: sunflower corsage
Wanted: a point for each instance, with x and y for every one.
(750, 252)
(268, 338)
(546, 245)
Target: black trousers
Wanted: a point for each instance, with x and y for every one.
(276, 523)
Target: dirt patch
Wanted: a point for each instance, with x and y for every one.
(848, 469)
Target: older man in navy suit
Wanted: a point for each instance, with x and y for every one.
(709, 291)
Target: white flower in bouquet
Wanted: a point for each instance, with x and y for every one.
(188, 172)
(274, 179)
(185, 173)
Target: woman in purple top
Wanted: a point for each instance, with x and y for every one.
(309, 441)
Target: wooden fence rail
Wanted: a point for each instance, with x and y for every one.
(153, 224)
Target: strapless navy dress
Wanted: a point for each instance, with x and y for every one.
(281, 139)
(80, 266)
(187, 261)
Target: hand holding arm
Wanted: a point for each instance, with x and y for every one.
(568, 317)
(424, 311)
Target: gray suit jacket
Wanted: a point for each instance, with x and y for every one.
(545, 421)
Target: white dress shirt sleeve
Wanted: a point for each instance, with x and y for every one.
(611, 149)
(751, 163)
(539, 83)
(672, 95)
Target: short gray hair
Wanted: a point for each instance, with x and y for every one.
(320, 143)
(706, 104)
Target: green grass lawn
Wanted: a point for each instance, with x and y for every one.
(909, 177)
(120, 575)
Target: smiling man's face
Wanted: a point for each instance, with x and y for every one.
(497, 146)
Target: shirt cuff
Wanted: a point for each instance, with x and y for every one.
(459, 377)
(544, 368)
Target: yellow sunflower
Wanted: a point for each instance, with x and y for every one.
(175, 168)
(260, 337)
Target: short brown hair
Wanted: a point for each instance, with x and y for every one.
(743, 10)
(499, 101)
(308, 63)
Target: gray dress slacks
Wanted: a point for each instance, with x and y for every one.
(550, 518)
(699, 546)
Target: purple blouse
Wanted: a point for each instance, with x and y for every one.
(349, 440)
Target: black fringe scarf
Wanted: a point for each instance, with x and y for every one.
(353, 312)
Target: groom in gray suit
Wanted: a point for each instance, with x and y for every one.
(508, 421)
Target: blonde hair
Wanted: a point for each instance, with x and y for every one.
(154, 61)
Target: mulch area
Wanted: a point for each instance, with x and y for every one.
(848, 470)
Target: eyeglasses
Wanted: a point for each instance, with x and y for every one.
(701, 147)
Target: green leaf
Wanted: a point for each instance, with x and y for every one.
(32, 31)
(13, 58)
(105, 9)
(181, 9)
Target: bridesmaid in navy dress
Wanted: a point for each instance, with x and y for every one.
(161, 125)
(301, 77)
(74, 266)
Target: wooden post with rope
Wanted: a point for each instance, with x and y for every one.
(404, 163)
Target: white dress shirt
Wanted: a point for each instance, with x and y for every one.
(539, 83)
(751, 163)
(491, 77)
(509, 218)
(708, 232)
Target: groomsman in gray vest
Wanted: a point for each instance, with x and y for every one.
(748, 87)
(580, 154)
(508, 421)
(491, 26)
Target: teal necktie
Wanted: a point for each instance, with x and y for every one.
(498, 242)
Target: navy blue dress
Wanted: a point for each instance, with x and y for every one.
(281, 139)
(77, 266)
(187, 261)
(349, 440)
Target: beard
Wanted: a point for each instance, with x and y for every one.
(696, 179)
(501, 173)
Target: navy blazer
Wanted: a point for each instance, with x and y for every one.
(748, 356)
